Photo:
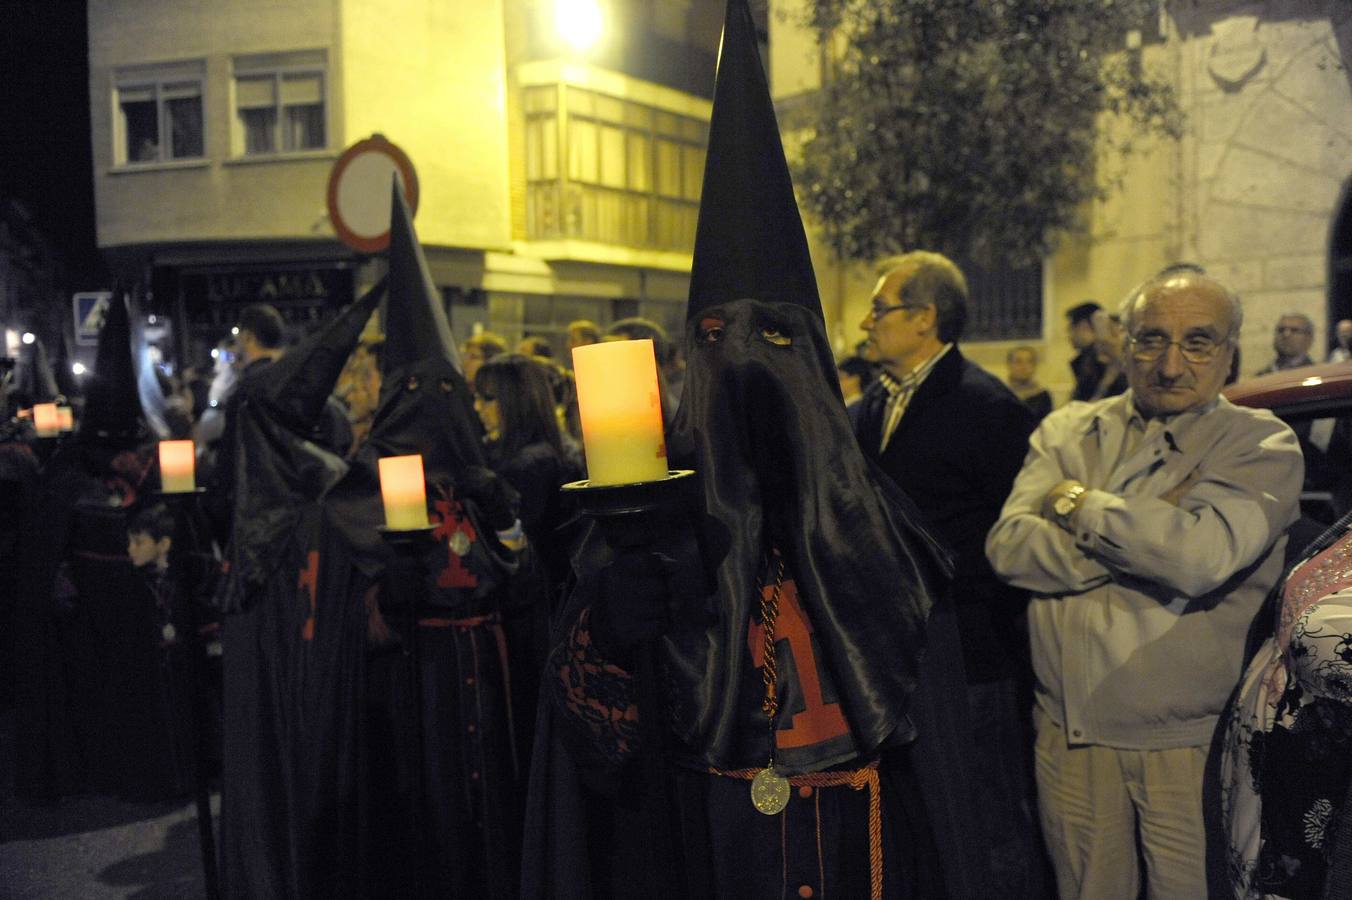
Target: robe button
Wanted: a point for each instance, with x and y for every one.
(805, 791)
(469, 681)
(805, 891)
(473, 776)
(471, 729)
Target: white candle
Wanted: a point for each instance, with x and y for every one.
(178, 467)
(46, 420)
(404, 492)
(620, 406)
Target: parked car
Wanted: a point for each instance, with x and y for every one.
(1316, 401)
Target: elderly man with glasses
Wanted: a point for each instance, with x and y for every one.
(1149, 528)
(1291, 339)
(953, 436)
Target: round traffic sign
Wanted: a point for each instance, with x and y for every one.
(359, 192)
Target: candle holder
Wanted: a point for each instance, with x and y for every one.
(617, 506)
(185, 509)
(178, 496)
(631, 517)
(406, 579)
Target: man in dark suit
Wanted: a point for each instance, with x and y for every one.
(953, 437)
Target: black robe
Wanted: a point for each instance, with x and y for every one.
(776, 466)
(320, 761)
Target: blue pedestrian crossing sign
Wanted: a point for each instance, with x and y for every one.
(90, 308)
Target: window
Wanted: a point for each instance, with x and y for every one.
(159, 113)
(1003, 303)
(604, 169)
(280, 103)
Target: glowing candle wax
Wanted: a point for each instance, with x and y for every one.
(46, 420)
(404, 492)
(177, 461)
(621, 410)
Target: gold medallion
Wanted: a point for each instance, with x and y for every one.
(769, 792)
(459, 543)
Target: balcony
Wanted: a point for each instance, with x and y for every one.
(613, 171)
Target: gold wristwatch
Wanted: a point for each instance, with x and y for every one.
(1064, 506)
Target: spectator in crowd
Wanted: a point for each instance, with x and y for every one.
(1286, 753)
(1342, 350)
(534, 345)
(514, 399)
(359, 389)
(259, 342)
(1085, 366)
(479, 349)
(581, 333)
(1022, 365)
(1149, 527)
(1108, 351)
(1291, 339)
(855, 374)
(953, 437)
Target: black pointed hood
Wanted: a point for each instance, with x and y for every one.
(299, 384)
(750, 240)
(762, 423)
(112, 410)
(415, 322)
(425, 403)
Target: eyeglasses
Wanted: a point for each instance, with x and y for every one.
(1197, 348)
(1291, 329)
(876, 312)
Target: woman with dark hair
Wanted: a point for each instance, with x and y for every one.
(514, 398)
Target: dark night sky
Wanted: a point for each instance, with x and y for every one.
(44, 145)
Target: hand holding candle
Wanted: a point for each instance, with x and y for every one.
(621, 411)
(404, 492)
(177, 467)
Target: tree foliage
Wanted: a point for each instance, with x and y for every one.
(972, 126)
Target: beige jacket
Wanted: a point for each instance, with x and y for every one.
(1138, 619)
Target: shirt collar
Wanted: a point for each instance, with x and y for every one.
(1122, 410)
(913, 378)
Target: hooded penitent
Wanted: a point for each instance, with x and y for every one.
(425, 403)
(762, 423)
(277, 469)
(872, 654)
(290, 720)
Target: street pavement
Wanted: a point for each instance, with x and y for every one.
(95, 848)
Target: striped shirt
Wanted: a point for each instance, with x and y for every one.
(899, 393)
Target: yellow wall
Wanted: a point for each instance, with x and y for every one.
(428, 74)
(431, 76)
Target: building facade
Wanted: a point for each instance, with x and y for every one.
(555, 183)
(1254, 191)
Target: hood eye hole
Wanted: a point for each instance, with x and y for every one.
(447, 386)
(412, 383)
(776, 337)
(711, 329)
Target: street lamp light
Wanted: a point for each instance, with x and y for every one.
(77, 368)
(578, 22)
(29, 337)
